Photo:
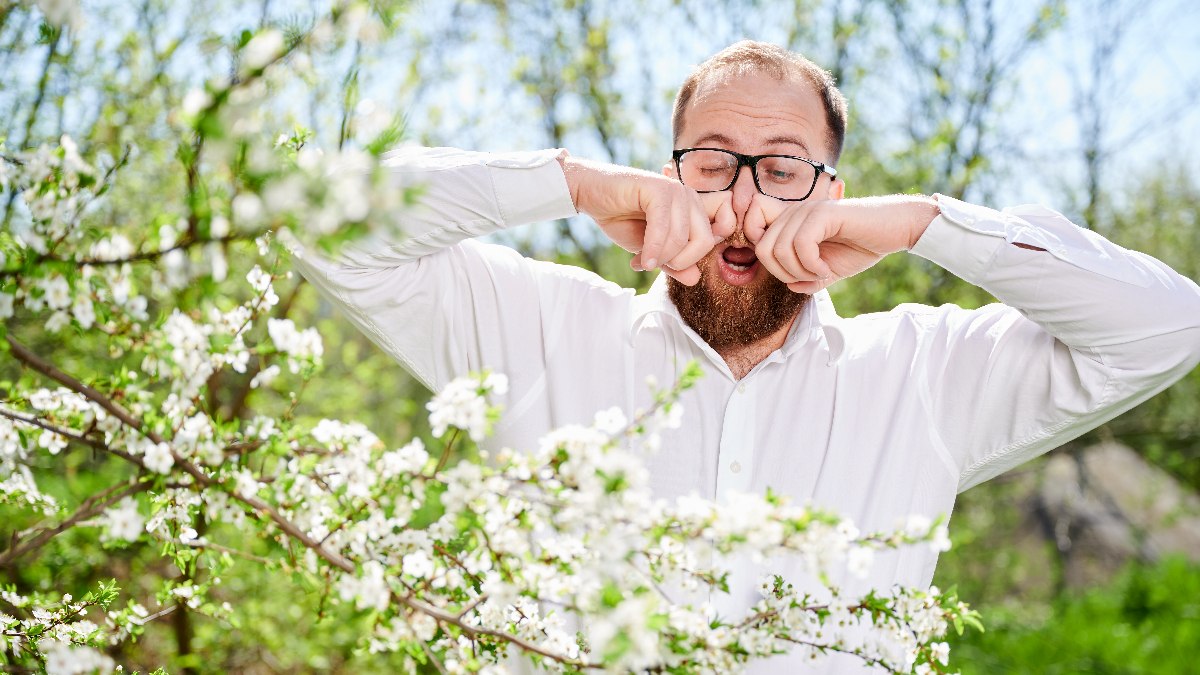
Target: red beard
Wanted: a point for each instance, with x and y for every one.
(728, 316)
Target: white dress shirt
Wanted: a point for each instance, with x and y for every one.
(874, 417)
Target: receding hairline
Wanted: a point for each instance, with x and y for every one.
(750, 57)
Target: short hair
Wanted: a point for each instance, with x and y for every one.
(750, 56)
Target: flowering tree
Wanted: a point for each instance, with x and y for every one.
(155, 461)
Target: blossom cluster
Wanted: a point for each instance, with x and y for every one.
(564, 552)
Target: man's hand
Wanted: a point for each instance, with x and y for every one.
(660, 220)
(810, 245)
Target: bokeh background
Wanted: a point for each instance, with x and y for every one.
(1087, 560)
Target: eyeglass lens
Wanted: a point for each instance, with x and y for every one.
(779, 177)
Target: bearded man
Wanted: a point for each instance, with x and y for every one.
(874, 417)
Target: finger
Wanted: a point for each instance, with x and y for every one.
(761, 214)
(718, 208)
(678, 237)
(688, 277)
(754, 224)
(765, 252)
(784, 250)
(700, 238)
(807, 245)
(808, 287)
(658, 228)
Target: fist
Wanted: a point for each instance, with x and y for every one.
(811, 244)
(658, 219)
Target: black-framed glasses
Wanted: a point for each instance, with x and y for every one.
(784, 177)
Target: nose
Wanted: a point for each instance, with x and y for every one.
(743, 193)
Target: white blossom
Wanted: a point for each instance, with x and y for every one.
(462, 404)
(417, 564)
(219, 226)
(63, 13)
(247, 209)
(158, 458)
(265, 377)
(195, 100)
(122, 521)
(67, 659)
(259, 280)
(299, 345)
(57, 291)
(52, 442)
(84, 311)
(262, 49)
(940, 543)
(611, 421)
(369, 591)
(57, 321)
(941, 652)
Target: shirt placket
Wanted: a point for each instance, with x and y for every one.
(735, 459)
(735, 471)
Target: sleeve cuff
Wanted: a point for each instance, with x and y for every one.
(966, 239)
(963, 238)
(531, 187)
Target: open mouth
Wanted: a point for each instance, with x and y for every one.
(739, 259)
(737, 265)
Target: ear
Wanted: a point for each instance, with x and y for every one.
(837, 189)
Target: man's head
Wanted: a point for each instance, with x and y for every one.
(752, 98)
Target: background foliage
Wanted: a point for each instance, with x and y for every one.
(940, 103)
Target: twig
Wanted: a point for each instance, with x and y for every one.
(466, 609)
(68, 433)
(437, 663)
(210, 546)
(157, 615)
(48, 369)
(91, 507)
(446, 451)
(142, 256)
(345, 521)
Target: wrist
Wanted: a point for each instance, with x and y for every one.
(922, 210)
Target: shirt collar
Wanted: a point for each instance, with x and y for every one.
(818, 321)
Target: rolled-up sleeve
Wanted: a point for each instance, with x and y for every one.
(1088, 330)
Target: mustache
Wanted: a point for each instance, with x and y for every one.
(737, 239)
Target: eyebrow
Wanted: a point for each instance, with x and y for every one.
(722, 139)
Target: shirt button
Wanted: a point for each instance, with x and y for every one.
(736, 467)
(741, 388)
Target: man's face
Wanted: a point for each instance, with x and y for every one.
(737, 302)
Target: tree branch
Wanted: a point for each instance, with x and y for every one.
(91, 507)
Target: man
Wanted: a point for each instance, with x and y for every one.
(876, 417)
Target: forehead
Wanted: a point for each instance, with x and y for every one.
(755, 113)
